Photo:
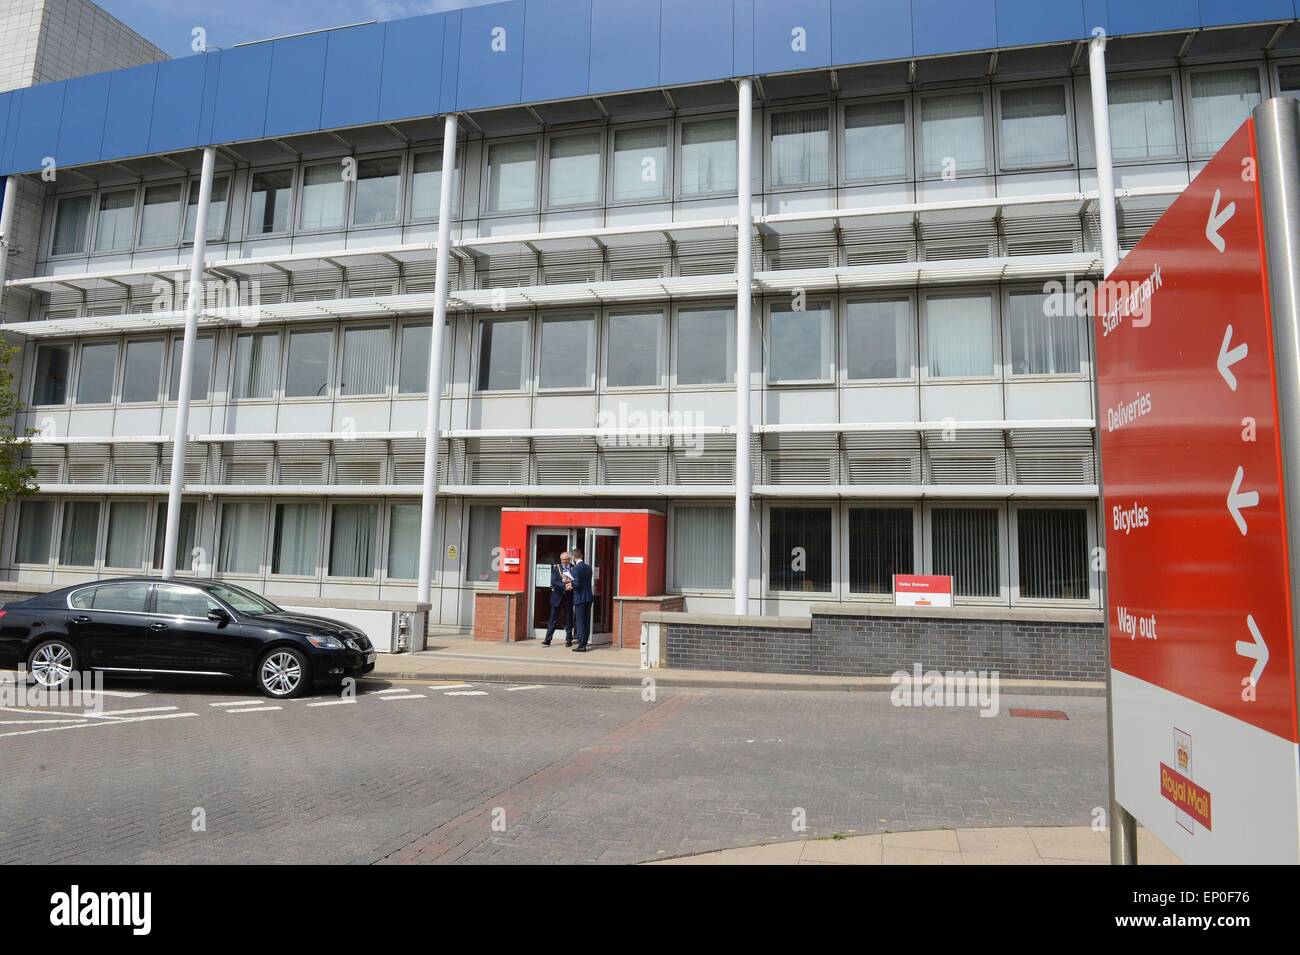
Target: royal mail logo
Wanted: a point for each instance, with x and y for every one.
(1187, 797)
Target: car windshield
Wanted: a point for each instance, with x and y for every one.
(244, 601)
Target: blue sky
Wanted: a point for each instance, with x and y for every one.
(169, 23)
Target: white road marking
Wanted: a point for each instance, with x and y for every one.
(334, 702)
(128, 694)
(395, 689)
(450, 686)
(37, 722)
(534, 686)
(467, 693)
(142, 709)
(91, 725)
(256, 709)
(237, 703)
(412, 696)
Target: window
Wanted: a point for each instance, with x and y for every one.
(875, 141)
(878, 339)
(426, 185)
(799, 343)
(512, 177)
(959, 331)
(80, 533)
(413, 370)
(160, 216)
(272, 202)
(1288, 80)
(634, 344)
(115, 223)
(484, 539)
(352, 540)
(1044, 334)
(964, 542)
(243, 535)
(97, 373)
(244, 601)
(378, 191)
(295, 546)
(1221, 101)
(173, 600)
(257, 362)
(50, 382)
(706, 349)
(217, 206)
(1035, 129)
(324, 193)
(1053, 552)
(71, 226)
(367, 361)
(880, 546)
(567, 352)
(129, 596)
(308, 375)
(800, 148)
(501, 353)
(187, 535)
(708, 157)
(640, 163)
(35, 532)
(125, 541)
(800, 556)
(201, 380)
(1142, 124)
(952, 134)
(403, 541)
(573, 170)
(142, 370)
(703, 539)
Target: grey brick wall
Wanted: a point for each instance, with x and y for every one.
(879, 646)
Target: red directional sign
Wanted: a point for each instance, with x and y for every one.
(1200, 621)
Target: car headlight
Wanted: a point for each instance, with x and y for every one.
(323, 641)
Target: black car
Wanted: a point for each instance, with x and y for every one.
(195, 627)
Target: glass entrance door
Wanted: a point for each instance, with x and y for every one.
(601, 546)
(547, 547)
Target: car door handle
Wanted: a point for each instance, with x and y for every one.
(157, 626)
(81, 619)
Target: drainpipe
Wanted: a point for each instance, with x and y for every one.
(744, 298)
(432, 419)
(1123, 827)
(187, 364)
(6, 227)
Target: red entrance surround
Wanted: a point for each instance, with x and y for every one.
(642, 541)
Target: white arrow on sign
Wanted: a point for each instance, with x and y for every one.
(1229, 357)
(1257, 651)
(1218, 220)
(1237, 499)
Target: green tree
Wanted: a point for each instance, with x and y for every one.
(16, 480)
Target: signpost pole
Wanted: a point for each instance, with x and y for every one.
(1277, 131)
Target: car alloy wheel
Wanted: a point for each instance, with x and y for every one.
(281, 673)
(52, 664)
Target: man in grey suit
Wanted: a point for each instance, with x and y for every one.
(582, 599)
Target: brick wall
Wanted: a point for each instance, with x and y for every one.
(840, 645)
(495, 611)
(627, 616)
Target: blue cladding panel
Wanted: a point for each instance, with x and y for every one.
(624, 45)
(81, 132)
(949, 26)
(412, 70)
(864, 30)
(178, 103)
(695, 41)
(1095, 15)
(126, 123)
(39, 111)
(450, 63)
(491, 55)
(742, 39)
(354, 67)
(293, 102)
(782, 25)
(1022, 22)
(241, 94)
(557, 49)
(8, 101)
(1151, 16)
(1221, 12)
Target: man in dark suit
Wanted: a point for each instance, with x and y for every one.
(561, 600)
(582, 599)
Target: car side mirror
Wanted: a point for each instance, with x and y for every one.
(217, 615)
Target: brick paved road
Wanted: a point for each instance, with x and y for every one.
(547, 774)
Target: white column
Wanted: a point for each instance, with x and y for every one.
(744, 296)
(6, 227)
(1105, 165)
(432, 417)
(192, 304)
